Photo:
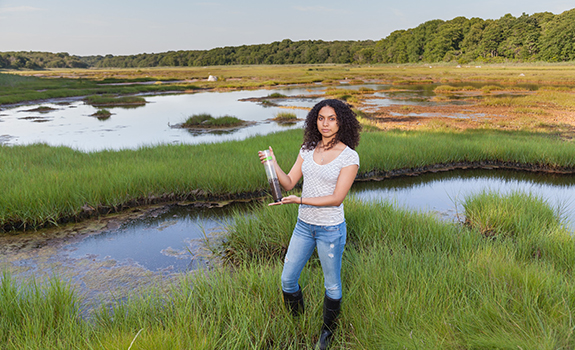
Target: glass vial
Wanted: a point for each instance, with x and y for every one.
(272, 176)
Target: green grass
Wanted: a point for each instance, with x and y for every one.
(206, 121)
(542, 99)
(16, 89)
(111, 100)
(285, 117)
(410, 281)
(102, 114)
(49, 184)
(39, 315)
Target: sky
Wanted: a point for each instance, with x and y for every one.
(128, 27)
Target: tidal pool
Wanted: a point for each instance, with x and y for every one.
(69, 122)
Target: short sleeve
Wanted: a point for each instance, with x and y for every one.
(350, 158)
(303, 153)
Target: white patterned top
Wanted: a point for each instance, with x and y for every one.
(319, 181)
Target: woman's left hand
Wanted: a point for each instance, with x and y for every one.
(288, 200)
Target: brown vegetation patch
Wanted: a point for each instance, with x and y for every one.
(552, 120)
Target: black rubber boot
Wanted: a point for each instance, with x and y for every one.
(331, 310)
(294, 302)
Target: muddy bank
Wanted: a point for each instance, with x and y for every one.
(377, 175)
(75, 229)
(196, 198)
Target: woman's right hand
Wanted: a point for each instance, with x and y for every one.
(263, 157)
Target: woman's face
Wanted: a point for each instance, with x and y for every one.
(327, 122)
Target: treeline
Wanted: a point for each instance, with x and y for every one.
(538, 37)
(40, 60)
(281, 52)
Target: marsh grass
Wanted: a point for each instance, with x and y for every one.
(410, 281)
(16, 89)
(445, 89)
(18, 86)
(102, 114)
(111, 100)
(39, 314)
(539, 100)
(52, 183)
(285, 117)
(206, 120)
(536, 111)
(525, 219)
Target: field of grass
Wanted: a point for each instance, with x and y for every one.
(502, 280)
(285, 117)
(411, 281)
(52, 183)
(17, 89)
(21, 85)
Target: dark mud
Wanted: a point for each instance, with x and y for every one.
(198, 198)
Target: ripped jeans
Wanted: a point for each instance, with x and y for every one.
(330, 243)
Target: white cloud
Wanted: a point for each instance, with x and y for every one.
(19, 9)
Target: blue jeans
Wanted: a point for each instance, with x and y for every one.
(330, 243)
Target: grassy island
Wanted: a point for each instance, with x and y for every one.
(285, 117)
(115, 101)
(102, 114)
(206, 121)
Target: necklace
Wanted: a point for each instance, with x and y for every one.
(321, 152)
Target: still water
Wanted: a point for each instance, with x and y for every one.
(154, 250)
(70, 122)
(165, 242)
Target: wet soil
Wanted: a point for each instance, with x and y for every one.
(57, 236)
(556, 121)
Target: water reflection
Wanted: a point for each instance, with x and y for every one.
(444, 192)
(175, 240)
(162, 242)
(71, 123)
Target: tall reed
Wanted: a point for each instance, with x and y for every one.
(410, 281)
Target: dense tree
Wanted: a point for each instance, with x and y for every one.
(541, 36)
(558, 38)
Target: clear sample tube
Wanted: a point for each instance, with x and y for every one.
(272, 176)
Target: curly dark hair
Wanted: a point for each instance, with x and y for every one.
(349, 127)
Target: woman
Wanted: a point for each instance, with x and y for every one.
(328, 163)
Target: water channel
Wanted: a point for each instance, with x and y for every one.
(69, 122)
(157, 247)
